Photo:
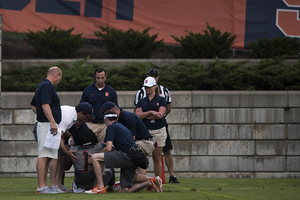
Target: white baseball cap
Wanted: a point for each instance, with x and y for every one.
(149, 82)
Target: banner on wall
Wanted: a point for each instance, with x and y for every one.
(247, 19)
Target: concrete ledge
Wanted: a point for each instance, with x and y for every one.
(278, 148)
(262, 164)
(214, 164)
(18, 164)
(258, 99)
(29, 148)
(11, 133)
(215, 99)
(186, 148)
(231, 148)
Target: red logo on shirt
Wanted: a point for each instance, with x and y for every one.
(92, 94)
(157, 104)
(106, 94)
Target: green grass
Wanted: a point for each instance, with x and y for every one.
(188, 188)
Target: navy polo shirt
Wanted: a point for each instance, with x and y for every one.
(154, 104)
(120, 136)
(46, 94)
(97, 98)
(134, 124)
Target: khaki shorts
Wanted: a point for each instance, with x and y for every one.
(98, 129)
(159, 136)
(146, 146)
(44, 152)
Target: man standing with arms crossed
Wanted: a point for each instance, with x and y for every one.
(97, 94)
(48, 115)
(163, 92)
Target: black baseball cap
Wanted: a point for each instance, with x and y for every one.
(153, 71)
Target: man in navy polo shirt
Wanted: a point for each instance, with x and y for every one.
(97, 94)
(141, 134)
(46, 105)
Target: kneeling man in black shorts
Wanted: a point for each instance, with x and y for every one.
(121, 137)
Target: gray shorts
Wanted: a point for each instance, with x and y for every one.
(118, 159)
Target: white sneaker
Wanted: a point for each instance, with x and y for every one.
(44, 190)
(64, 188)
(56, 190)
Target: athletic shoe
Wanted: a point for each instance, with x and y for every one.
(173, 179)
(44, 190)
(64, 188)
(96, 190)
(55, 189)
(156, 184)
(116, 187)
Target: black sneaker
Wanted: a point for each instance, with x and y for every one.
(173, 179)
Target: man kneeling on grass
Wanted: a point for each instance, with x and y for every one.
(121, 137)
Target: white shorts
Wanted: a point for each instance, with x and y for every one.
(42, 129)
(159, 136)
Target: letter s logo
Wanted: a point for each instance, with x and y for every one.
(288, 21)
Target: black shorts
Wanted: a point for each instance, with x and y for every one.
(168, 146)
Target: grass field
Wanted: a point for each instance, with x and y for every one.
(188, 188)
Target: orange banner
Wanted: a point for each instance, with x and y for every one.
(167, 17)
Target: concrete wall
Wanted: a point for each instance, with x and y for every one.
(214, 133)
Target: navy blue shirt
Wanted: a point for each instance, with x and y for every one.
(46, 94)
(154, 104)
(97, 98)
(134, 124)
(120, 136)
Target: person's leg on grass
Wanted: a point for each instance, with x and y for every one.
(156, 155)
(97, 160)
(42, 169)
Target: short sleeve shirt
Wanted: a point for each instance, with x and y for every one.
(163, 92)
(154, 104)
(120, 136)
(46, 94)
(69, 117)
(97, 98)
(134, 124)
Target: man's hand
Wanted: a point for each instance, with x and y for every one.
(138, 110)
(71, 156)
(53, 128)
(90, 158)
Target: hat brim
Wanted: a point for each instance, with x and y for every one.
(91, 116)
(146, 85)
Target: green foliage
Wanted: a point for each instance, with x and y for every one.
(128, 44)
(271, 74)
(285, 47)
(55, 43)
(211, 44)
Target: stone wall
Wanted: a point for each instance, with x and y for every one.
(214, 133)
